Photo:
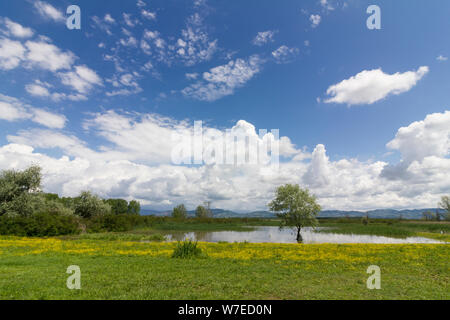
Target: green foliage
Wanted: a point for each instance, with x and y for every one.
(187, 249)
(88, 205)
(113, 223)
(179, 212)
(17, 189)
(118, 206)
(202, 212)
(295, 207)
(445, 204)
(134, 207)
(39, 225)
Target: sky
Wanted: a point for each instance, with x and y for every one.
(361, 116)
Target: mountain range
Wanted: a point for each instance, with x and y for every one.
(379, 213)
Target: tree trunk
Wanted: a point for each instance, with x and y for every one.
(299, 236)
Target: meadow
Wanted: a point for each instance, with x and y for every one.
(138, 265)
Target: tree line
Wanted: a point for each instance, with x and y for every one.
(21, 195)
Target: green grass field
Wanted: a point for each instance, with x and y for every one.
(121, 266)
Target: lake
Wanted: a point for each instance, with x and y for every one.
(275, 235)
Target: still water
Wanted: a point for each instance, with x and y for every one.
(275, 235)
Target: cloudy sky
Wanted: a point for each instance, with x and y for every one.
(363, 115)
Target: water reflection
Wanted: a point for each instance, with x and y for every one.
(275, 235)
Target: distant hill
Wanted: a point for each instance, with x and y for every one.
(380, 213)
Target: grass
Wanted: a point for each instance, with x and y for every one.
(187, 249)
(120, 269)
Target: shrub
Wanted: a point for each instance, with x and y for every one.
(179, 212)
(39, 225)
(186, 250)
(110, 223)
(134, 207)
(88, 205)
(203, 212)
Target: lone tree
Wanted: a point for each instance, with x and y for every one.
(296, 207)
(445, 204)
(179, 212)
(201, 212)
(204, 211)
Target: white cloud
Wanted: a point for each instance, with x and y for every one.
(49, 119)
(127, 83)
(370, 86)
(47, 11)
(135, 163)
(326, 5)
(224, 80)
(129, 42)
(264, 37)
(194, 43)
(192, 76)
(47, 56)
(37, 90)
(315, 20)
(441, 58)
(285, 54)
(148, 14)
(129, 21)
(82, 79)
(11, 54)
(109, 19)
(425, 164)
(141, 4)
(12, 109)
(15, 29)
(426, 138)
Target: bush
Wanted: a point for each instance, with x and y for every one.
(88, 205)
(113, 223)
(179, 212)
(186, 250)
(39, 225)
(17, 191)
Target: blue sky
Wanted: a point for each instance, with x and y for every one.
(338, 91)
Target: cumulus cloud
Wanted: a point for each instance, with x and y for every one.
(38, 90)
(12, 109)
(284, 54)
(370, 86)
(223, 80)
(135, 163)
(441, 58)
(48, 11)
(11, 54)
(326, 5)
(148, 14)
(104, 24)
(15, 29)
(315, 20)
(421, 139)
(82, 79)
(264, 37)
(48, 56)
